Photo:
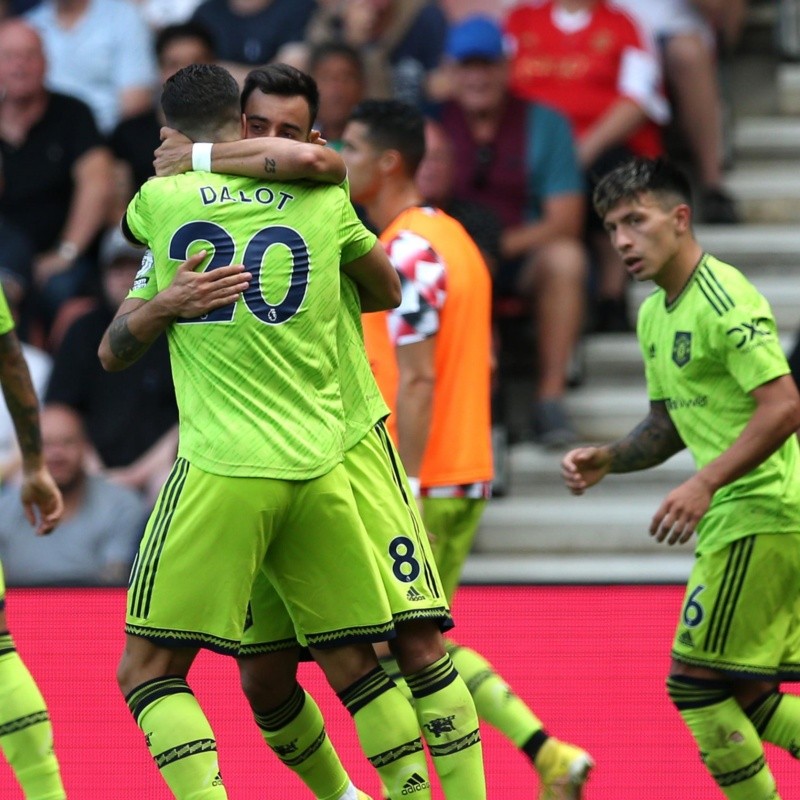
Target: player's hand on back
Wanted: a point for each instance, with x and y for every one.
(193, 294)
(174, 155)
(584, 467)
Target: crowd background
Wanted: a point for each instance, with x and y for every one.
(529, 103)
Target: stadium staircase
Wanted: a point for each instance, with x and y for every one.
(537, 532)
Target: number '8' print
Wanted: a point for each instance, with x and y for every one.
(405, 567)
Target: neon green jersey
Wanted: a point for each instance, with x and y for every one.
(361, 399)
(6, 320)
(704, 354)
(257, 381)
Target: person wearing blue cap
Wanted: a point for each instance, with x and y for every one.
(519, 158)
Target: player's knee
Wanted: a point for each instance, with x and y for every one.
(418, 644)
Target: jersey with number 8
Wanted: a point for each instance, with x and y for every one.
(256, 382)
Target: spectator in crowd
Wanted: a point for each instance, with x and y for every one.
(518, 158)
(611, 94)
(435, 181)
(100, 528)
(57, 171)
(100, 51)
(134, 139)
(249, 33)
(338, 71)
(401, 42)
(130, 417)
(161, 13)
(686, 32)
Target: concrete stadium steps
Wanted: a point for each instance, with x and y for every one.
(766, 191)
(750, 246)
(767, 137)
(541, 534)
(668, 566)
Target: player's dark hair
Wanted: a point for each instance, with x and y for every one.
(285, 81)
(326, 50)
(394, 125)
(638, 176)
(184, 30)
(200, 100)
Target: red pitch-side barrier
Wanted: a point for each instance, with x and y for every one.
(590, 660)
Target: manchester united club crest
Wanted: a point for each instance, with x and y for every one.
(682, 348)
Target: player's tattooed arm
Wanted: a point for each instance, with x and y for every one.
(651, 442)
(20, 397)
(282, 157)
(124, 345)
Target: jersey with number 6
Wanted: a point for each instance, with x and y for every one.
(704, 354)
(257, 381)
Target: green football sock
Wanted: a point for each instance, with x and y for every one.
(26, 735)
(389, 734)
(729, 744)
(776, 717)
(447, 717)
(179, 738)
(295, 731)
(494, 700)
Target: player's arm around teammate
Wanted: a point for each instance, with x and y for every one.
(272, 153)
(278, 158)
(138, 323)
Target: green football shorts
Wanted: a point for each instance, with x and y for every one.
(209, 539)
(741, 610)
(400, 547)
(453, 524)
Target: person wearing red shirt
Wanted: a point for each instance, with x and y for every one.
(589, 60)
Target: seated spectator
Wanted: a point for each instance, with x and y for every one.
(99, 51)
(436, 182)
(57, 171)
(518, 158)
(159, 14)
(135, 139)
(687, 43)
(97, 537)
(400, 41)
(131, 416)
(611, 95)
(339, 72)
(249, 33)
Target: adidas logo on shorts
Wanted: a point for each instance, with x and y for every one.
(414, 595)
(416, 783)
(686, 639)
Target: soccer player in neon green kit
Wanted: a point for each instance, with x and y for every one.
(718, 384)
(279, 101)
(258, 475)
(26, 735)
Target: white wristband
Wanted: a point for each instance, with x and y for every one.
(414, 484)
(201, 156)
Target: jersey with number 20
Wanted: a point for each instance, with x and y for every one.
(256, 381)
